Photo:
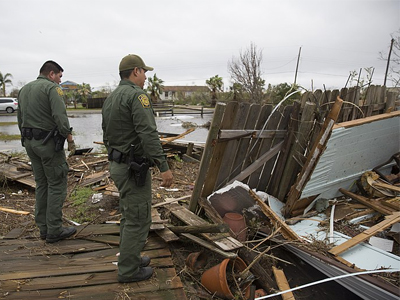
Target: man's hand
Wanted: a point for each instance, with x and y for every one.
(71, 148)
(167, 178)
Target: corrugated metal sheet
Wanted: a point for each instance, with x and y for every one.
(350, 152)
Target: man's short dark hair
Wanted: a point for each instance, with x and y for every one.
(49, 66)
(125, 74)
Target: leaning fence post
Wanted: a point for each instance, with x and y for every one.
(313, 157)
(207, 155)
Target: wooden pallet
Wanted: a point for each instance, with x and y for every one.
(82, 269)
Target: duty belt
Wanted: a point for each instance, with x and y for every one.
(36, 133)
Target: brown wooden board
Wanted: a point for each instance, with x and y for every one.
(256, 142)
(219, 150)
(79, 269)
(267, 172)
(232, 145)
(264, 146)
(390, 220)
(222, 240)
(244, 143)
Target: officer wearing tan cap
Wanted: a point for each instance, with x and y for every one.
(133, 145)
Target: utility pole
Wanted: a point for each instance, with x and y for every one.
(297, 66)
(388, 61)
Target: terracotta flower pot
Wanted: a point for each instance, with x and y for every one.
(215, 279)
(237, 224)
(196, 261)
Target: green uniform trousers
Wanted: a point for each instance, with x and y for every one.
(135, 207)
(50, 169)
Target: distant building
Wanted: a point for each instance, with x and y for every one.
(173, 92)
(69, 86)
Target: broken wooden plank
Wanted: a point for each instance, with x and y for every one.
(313, 157)
(14, 234)
(389, 221)
(286, 231)
(167, 235)
(170, 200)
(386, 186)
(393, 203)
(206, 228)
(258, 163)
(282, 283)
(13, 211)
(231, 134)
(165, 141)
(94, 178)
(222, 240)
(209, 246)
(207, 155)
(367, 202)
(156, 220)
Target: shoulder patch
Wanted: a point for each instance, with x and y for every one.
(59, 91)
(144, 100)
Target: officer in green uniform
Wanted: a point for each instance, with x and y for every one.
(44, 126)
(133, 144)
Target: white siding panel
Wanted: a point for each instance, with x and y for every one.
(350, 152)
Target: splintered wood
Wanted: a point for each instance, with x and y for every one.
(282, 283)
(286, 231)
(390, 220)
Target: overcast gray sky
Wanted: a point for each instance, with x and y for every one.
(189, 41)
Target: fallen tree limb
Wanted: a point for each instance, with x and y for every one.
(13, 211)
(211, 228)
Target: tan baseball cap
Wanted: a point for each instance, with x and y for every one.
(132, 61)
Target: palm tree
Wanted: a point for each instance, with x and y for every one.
(5, 80)
(155, 88)
(215, 84)
(83, 92)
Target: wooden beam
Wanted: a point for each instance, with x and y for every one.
(230, 134)
(207, 228)
(313, 157)
(366, 120)
(209, 246)
(258, 163)
(376, 206)
(389, 221)
(13, 211)
(282, 283)
(207, 155)
(286, 231)
(386, 186)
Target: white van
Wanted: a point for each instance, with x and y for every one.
(8, 104)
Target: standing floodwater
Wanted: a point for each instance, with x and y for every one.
(87, 129)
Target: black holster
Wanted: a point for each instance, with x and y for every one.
(138, 167)
(59, 141)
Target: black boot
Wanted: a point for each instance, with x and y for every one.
(143, 274)
(65, 233)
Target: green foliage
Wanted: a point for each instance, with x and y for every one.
(155, 88)
(79, 200)
(80, 196)
(83, 92)
(4, 80)
(215, 84)
(275, 93)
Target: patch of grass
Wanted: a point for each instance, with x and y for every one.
(79, 200)
(9, 137)
(8, 123)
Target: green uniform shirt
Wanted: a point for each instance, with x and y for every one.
(41, 105)
(128, 119)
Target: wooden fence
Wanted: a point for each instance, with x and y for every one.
(266, 147)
